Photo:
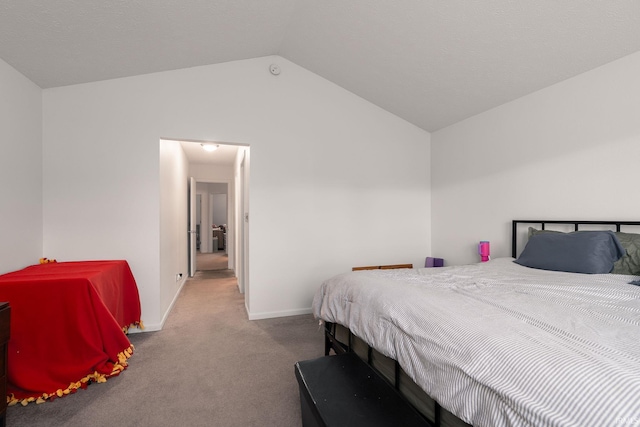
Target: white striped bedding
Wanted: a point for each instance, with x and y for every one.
(498, 344)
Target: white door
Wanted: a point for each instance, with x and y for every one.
(192, 226)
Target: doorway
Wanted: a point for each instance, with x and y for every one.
(180, 160)
(229, 164)
(212, 226)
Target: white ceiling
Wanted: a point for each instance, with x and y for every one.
(225, 154)
(431, 62)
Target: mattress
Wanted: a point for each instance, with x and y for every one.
(499, 344)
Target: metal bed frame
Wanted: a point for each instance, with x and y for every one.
(576, 226)
(330, 329)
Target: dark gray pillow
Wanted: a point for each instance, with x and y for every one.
(630, 261)
(592, 252)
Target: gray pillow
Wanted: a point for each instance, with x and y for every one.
(630, 261)
(592, 252)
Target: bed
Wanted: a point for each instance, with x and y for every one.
(499, 343)
(68, 324)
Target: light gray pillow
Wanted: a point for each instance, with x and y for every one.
(592, 252)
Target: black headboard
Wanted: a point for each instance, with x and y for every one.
(576, 225)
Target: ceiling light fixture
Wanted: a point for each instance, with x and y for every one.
(209, 147)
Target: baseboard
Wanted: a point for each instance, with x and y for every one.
(147, 328)
(158, 326)
(272, 314)
(252, 316)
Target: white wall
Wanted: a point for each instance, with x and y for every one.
(205, 218)
(353, 179)
(240, 198)
(20, 171)
(174, 238)
(219, 208)
(570, 151)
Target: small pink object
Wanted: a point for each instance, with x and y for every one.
(484, 250)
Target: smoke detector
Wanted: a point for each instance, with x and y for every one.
(275, 69)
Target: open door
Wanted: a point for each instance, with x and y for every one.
(192, 226)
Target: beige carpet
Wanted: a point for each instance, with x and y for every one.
(212, 261)
(209, 366)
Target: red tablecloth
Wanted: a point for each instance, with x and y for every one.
(67, 323)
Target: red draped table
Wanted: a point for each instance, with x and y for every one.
(67, 326)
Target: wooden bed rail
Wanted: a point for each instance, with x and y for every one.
(382, 267)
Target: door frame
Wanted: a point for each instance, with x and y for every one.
(191, 229)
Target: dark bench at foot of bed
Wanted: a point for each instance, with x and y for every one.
(343, 390)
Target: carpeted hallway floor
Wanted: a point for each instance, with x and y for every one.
(212, 261)
(209, 366)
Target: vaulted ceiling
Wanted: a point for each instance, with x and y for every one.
(431, 62)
